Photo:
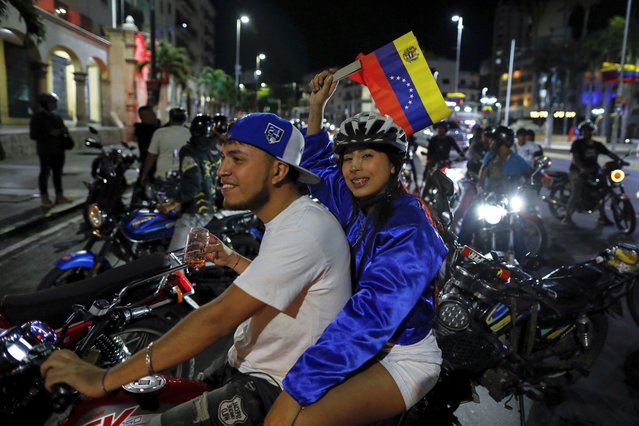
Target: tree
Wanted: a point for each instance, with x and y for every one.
(173, 62)
(218, 86)
(27, 10)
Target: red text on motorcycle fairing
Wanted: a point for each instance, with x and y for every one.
(111, 419)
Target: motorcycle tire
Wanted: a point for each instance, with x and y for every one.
(59, 277)
(561, 195)
(139, 334)
(624, 214)
(535, 234)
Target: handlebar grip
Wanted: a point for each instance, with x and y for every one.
(61, 396)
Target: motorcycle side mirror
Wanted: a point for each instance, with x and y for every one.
(92, 143)
(532, 263)
(93, 130)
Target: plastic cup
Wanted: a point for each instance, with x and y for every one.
(196, 242)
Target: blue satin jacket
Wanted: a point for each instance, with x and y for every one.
(394, 273)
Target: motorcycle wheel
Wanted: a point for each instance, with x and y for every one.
(623, 214)
(561, 196)
(140, 333)
(59, 277)
(534, 233)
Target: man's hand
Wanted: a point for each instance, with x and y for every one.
(283, 412)
(219, 253)
(64, 366)
(168, 207)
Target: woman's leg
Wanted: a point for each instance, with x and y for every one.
(367, 397)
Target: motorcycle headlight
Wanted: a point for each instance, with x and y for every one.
(491, 213)
(617, 175)
(516, 203)
(96, 217)
(453, 314)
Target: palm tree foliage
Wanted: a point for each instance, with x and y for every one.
(217, 85)
(173, 61)
(29, 13)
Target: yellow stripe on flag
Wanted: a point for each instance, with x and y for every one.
(423, 79)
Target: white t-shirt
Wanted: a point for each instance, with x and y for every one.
(166, 143)
(527, 151)
(302, 273)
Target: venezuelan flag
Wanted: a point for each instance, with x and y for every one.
(402, 85)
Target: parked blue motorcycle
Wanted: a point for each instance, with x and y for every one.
(143, 232)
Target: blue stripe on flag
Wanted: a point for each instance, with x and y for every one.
(403, 86)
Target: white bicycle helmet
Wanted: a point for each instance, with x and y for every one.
(370, 129)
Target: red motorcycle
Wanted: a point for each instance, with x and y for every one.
(107, 333)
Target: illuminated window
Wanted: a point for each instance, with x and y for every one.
(61, 9)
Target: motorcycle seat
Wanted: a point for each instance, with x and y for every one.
(575, 286)
(54, 305)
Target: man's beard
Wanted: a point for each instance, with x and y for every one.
(254, 204)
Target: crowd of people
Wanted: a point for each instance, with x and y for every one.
(333, 319)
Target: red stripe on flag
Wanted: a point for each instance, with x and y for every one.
(372, 75)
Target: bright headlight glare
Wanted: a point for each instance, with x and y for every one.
(95, 216)
(617, 175)
(516, 203)
(491, 213)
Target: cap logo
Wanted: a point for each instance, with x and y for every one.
(273, 133)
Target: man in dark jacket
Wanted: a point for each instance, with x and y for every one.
(195, 197)
(47, 128)
(143, 131)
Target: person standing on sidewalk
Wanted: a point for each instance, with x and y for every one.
(47, 128)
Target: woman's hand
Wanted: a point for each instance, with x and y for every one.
(283, 412)
(322, 88)
(64, 366)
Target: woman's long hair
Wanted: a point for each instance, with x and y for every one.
(378, 208)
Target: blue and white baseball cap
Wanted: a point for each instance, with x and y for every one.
(277, 137)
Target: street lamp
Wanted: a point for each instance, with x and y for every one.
(258, 73)
(460, 27)
(238, 68)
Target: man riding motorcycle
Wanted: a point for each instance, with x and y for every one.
(501, 171)
(585, 152)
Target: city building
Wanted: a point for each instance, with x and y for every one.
(94, 57)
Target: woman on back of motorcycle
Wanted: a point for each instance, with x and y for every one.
(379, 356)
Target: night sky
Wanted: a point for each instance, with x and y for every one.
(303, 36)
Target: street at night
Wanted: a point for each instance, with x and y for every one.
(158, 155)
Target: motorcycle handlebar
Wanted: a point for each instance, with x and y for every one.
(61, 397)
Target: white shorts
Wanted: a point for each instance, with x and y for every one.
(415, 368)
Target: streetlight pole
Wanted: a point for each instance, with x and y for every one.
(238, 68)
(460, 27)
(258, 73)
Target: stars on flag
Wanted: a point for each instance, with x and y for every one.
(402, 80)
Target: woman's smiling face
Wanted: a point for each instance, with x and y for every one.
(366, 171)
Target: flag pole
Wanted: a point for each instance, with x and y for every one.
(347, 70)
(510, 81)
